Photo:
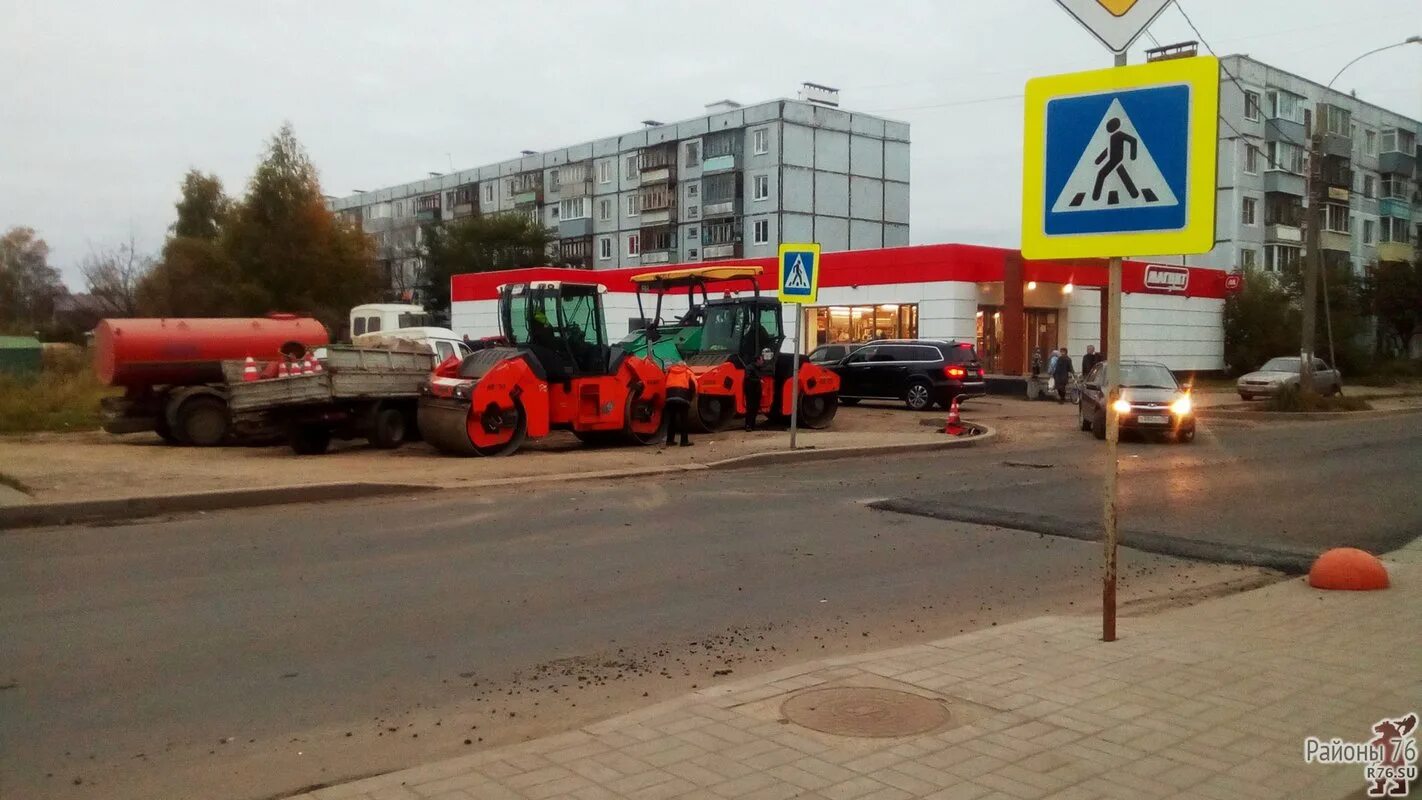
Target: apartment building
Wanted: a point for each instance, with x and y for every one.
(732, 183)
(1373, 206)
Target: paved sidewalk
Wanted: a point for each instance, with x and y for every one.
(1210, 701)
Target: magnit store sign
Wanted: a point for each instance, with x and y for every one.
(1170, 280)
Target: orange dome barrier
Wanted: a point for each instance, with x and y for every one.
(1348, 568)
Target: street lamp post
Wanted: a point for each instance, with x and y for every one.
(1312, 256)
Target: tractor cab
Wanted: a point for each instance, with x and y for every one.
(739, 327)
(561, 324)
(711, 330)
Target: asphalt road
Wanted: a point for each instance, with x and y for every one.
(253, 653)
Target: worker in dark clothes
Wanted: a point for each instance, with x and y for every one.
(681, 394)
(1089, 360)
(1061, 374)
(754, 371)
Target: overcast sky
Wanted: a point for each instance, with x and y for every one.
(110, 103)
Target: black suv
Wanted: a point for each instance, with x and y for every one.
(919, 372)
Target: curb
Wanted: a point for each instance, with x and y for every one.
(49, 514)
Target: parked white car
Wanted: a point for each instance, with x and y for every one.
(1280, 372)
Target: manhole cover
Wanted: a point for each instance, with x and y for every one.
(865, 711)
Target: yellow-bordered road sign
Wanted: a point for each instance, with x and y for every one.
(1121, 161)
(1115, 23)
(799, 270)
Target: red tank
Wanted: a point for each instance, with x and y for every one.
(185, 352)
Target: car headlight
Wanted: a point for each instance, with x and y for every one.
(462, 391)
(1182, 406)
(1121, 406)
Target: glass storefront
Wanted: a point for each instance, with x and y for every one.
(838, 324)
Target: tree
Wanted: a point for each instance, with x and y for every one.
(479, 244)
(29, 286)
(1261, 321)
(288, 251)
(112, 276)
(1394, 293)
(203, 207)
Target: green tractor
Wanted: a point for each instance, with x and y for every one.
(717, 337)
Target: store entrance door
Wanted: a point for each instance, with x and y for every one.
(990, 336)
(1041, 334)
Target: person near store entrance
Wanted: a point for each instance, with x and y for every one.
(1089, 360)
(681, 393)
(1061, 374)
(763, 365)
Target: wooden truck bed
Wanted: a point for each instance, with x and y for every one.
(349, 374)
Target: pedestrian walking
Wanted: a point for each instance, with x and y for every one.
(681, 395)
(1061, 373)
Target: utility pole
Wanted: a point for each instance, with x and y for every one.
(1113, 438)
(1312, 254)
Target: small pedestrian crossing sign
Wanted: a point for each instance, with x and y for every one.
(1121, 162)
(799, 273)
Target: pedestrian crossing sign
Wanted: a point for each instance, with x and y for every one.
(1121, 162)
(799, 273)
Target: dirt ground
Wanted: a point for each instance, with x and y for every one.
(95, 465)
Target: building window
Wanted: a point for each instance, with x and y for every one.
(1394, 187)
(760, 232)
(488, 192)
(691, 234)
(634, 205)
(604, 210)
(850, 324)
(1370, 142)
(1396, 140)
(1279, 256)
(1286, 105)
(1286, 157)
(629, 170)
(760, 141)
(553, 178)
(1247, 211)
(574, 208)
(633, 245)
(1251, 106)
(1394, 229)
(692, 190)
(604, 248)
(762, 188)
(1370, 231)
(692, 254)
(1370, 185)
(693, 154)
(1251, 159)
(1336, 219)
(1246, 257)
(1339, 121)
(604, 172)
(693, 212)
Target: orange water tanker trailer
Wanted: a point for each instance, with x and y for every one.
(171, 369)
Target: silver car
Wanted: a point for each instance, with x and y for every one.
(1280, 372)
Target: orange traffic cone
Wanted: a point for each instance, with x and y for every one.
(306, 365)
(249, 370)
(954, 426)
(316, 365)
(283, 371)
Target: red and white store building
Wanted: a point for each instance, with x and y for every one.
(988, 295)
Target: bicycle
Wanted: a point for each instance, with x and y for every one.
(1073, 392)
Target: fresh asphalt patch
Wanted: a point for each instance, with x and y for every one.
(1290, 561)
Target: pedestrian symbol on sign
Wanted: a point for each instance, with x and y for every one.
(795, 275)
(1115, 170)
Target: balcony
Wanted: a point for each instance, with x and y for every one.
(576, 253)
(530, 197)
(1335, 144)
(1398, 162)
(1395, 251)
(1394, 207)
(427, 216)
(1277, 180)
(1333, 240)
(1291, 234)
(573, 228)
(716, 251)
(656, 257)
(1284, 130)
(718, 164)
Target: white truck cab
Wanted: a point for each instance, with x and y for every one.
(385, 317)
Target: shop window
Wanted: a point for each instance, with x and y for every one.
(853, 324)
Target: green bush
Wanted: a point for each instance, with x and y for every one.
(1390, 373)
(1291, 398)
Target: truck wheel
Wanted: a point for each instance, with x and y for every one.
(163, 429)
(309, 440)
(203, 421)
(387, 431)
